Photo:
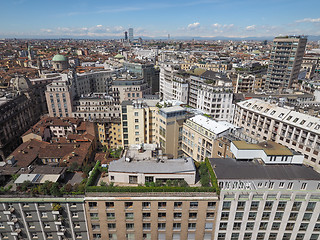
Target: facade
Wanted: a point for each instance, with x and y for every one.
(170, 121)
(43, 218)
(19, 110)
(285, 62)
(110, 133)
(261, 201)
(245, 83)
(138, 120)
(151, 215)
(265, 121)
(146, 71)
(173, 85)
(199, 136)
(212, 92)
(126, 88)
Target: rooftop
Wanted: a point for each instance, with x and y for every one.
(209, 124)
(227, 168)
(269, 147)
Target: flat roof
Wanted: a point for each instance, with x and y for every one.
(228, 168)
(209, 124)
(172, 109)
(269, 147)
(166, 166)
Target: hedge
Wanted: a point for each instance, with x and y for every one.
(213, 177)
(148, 189)
(94, 174)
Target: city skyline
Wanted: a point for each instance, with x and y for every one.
(206, 18)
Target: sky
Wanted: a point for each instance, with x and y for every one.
(156, 19)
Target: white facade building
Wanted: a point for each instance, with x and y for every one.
(297, 131)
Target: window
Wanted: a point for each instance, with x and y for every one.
(34, 235)
(221, 236)
(254, 205)
(44, 214)
(310, 206)
(177, 205)
(162, 205)
(111, 225)
(146, 215)
(92, 204)
(252, 216)
(74, 214)
(133, 179)
(136, 114)
(234, 236)
(96, 235)
(177, 215)
(146, 226)
(236, 226)
(136, 120)
(28, 215)
(129, 215)
(146, 205)
(265, 215)
(94, 216)
(210, 215)
(224, 215)
(282, 205)
(191, 226)
(303, 186)
(275, 226)
(303, 226)
(226, 205)
(314, 237)
(149, 179)
(176, 226)
(161, 215)
(128, 205)
(161, 226)
(193, 205)
(296, 206)
(95, 227)
(109, 205)
(290, 226)
(278, 216)
(112, 236)
(307, 217)
(223, 226)
(241, 205)
(212, 205)
(209, 226)
(268, 205)
(193, 215)
(129, 226)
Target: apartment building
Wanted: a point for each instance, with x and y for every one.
(199, 136)
(263, 201)
(147, 121)
(95, 106)
(173, 84)
(43, 218)
(151, 215)
(110, 133)
(212, 92)
(285, 61)
(19, 110)
(245, 83)
(127, 87)
(265, 121)
(145, 70)
(61, 93)
(170, 121)
(138, 120)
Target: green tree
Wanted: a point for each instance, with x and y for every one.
(55, 189)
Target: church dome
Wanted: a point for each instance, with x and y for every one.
(59, 58)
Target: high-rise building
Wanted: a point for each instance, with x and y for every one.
(285, 61)
(126, 36)
(130, 34)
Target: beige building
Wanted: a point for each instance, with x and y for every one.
(199, 137)
(155, 216)
(110, 133)
(146, 121)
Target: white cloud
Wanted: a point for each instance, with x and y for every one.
(194, 25)
(216, 25)
(98, 26)
(251, 28)
(311, 20)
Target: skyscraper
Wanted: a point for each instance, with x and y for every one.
(126, 36)
(130, 34)
(285, 61)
